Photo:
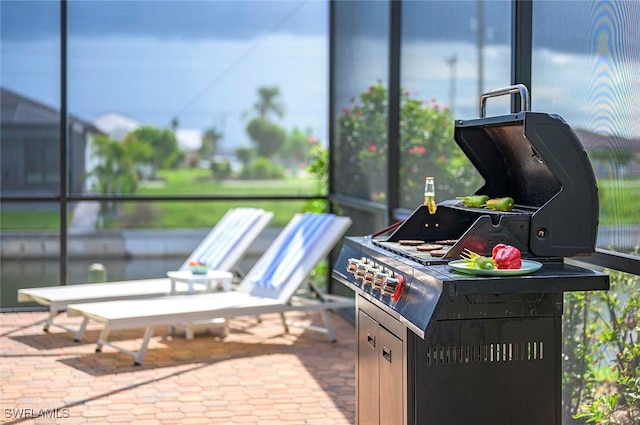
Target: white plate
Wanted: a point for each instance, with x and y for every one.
(528, 266)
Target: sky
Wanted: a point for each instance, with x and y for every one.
(203, 61)
(153, 62)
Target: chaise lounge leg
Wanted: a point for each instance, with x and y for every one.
(284, 323)
(148, 333)
(188, 331)
(328, 323)
(81, 331)
(49, 321)
(102, 339)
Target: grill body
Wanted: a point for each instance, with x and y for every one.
(459, 349)
(440, 347)
(480, 371)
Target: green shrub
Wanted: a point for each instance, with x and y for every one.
(221, 169)
(140, 216)
(319, 168)
(601, 377)
(262, 169)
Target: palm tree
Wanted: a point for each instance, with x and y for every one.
(210, 140)
(267, 102)
(266, 134)
(175, 123)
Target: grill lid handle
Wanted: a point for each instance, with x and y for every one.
(525, 103)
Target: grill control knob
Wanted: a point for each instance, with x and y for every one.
(379, 278)
(361, 269)
(369, 274)
(352, 265)
(393, 287)
(390, 286)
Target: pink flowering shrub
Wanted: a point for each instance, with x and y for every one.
(427, 148)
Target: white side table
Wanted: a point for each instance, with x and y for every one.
(217, 326)
(220, 278)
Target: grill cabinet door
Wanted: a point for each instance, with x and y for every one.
(390, 378)
(368, 348)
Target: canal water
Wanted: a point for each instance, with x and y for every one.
(16, 274)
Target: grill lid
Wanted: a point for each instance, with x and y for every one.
(538, 160)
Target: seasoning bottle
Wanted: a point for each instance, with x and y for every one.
(430, 195)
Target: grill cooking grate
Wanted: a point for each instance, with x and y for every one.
(410, 252)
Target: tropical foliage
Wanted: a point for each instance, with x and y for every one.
(267, 135)
(601, 376)
(154, 147)
(296, 147)
(427, 148)
(268, 102)
(210, 140)
(318, 166)
(114, 173)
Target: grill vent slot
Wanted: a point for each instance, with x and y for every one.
(484, 353)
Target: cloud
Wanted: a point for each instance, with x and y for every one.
(591, 91)
(426, 70)
(164, 20)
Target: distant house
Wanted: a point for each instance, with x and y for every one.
(30, 146)
(189, 139)
(611, 154)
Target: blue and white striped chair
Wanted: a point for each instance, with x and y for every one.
(269, 287)
(221, 249)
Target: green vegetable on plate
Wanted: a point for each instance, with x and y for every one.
(477, 261)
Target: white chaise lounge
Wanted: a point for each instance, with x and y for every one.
(222, 248)
(269, 287)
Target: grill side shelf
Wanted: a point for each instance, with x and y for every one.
(553, 277)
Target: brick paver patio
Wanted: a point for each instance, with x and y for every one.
(256, 375)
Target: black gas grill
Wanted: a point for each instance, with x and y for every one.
(436, 346)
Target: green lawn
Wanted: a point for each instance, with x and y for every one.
(172, 214)
(28, 219)
(198, 182)
(619, 201)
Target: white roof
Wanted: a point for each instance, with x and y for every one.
(189, 139)
(115, 124)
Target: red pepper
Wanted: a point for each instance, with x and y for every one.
(497, 248)
(506, 257)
